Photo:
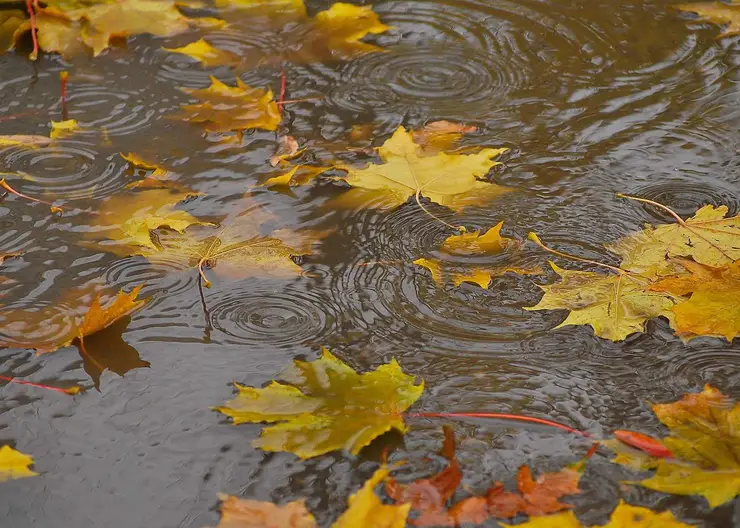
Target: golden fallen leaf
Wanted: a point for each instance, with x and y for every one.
(325, 405)
(14, 464)
(287, 150)
(727, 15)
(209, 55)
(624, 516)
(483, 277)
(62, 129)
(225, 108)
(298, 175)
(126, 220)
(452, 180)
(615, 305)
(245, 513)
(138, 162)
(473, 243)
(367, 511)
(440, 135)
(705, 442)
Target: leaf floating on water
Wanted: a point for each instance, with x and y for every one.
(325, 405)
(718, 13)
(440, 135)
(297, 176)
(452, 180)
(366, 511)
(712, 308)
(705, 441)
(473, 243)
(210, 56)
(14, 464)
(614, 305)
(225, 108)
(483, 277)
(128, 219)
(62, 129)
(138, 162)
(246, 513)
(24, 141)
(624, 516)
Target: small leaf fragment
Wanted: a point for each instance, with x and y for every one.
(245, 513)
(366, 510)
(473, 243)
(140, 163)
(14, 464)
(325, 405)
(62, 129)
(718, 13)
(483, 277)
(209, 55)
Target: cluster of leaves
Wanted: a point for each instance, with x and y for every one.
(687, 271)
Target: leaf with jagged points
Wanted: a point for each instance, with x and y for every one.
(325, 405)
(452, 180)
(473, 243)
(705, 442)
(615, 305)
(225, 108)
(367, 511)
(483, 277)
(14, 464)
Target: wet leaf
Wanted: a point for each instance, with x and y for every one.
(718, 13)
(236, 250)
(712, 308)
(245, 513)
(624, 516)
(707, 237)
(225, 108)
(14, 464)
(11, 22)
(298, 175)
(138, 162)
(705, 441)
(62, 129)
(287, 150)
(430, 495)
(473, 243)
(615, 305)
(444, 272)
(325, 405)
(366, 511)
(24, 141)
(440, 135)
(207, 54)
(453, 180)
(127, 220)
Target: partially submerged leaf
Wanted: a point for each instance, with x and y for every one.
(721, 13)
(62, 129)
(128, 219)
(712, 309)
(325, 405)
(473, 243)
(137, 161)
(209, 55)
(286, 151)
(366, 510)
(615, 305)
(298, 175)
(225, 108)
(483, 277)
(705, 441)
(24, 141)
(452, 180)
(440, 135)
(624, 516)
(14, 464)
(708, 237)
(245, 513)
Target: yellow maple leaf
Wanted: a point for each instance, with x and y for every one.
(624, 516)
(236, 250)
(125, 221)
(61, 129)
(14, 464)
(225, 108)
(712, 309)
(483, 277)
(98, 318)
(708, 237)
(366, 510)
(718, 13)
(209, 55)
(245, 513)
(705, 442)
(473, 243)
(452, 180)
(325, 405)
(615, 305)
(137, 161)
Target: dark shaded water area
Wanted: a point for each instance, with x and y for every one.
(592, 97)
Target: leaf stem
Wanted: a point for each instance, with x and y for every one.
(534, 238)
(63, 77)
(54, 208)
(71, 391)
(417, 196)
(283, 89)
(501, 416)
(32, 19)
(656, 204)
(202, 272)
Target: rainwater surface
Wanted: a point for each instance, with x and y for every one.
(592, 97)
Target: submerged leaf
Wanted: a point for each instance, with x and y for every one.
(615, 305)
(245, 513)
(62, 129)
(705, 441)
(225, 108)
(137, 161)
(712, 309)
(473, 243)
(624, 516)
(24, 141)
(209, 55)
(366, 511)
(483, 277)
(325, 405)
(453, 180)
(14, 464)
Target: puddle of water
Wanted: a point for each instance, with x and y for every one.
(593, 98)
